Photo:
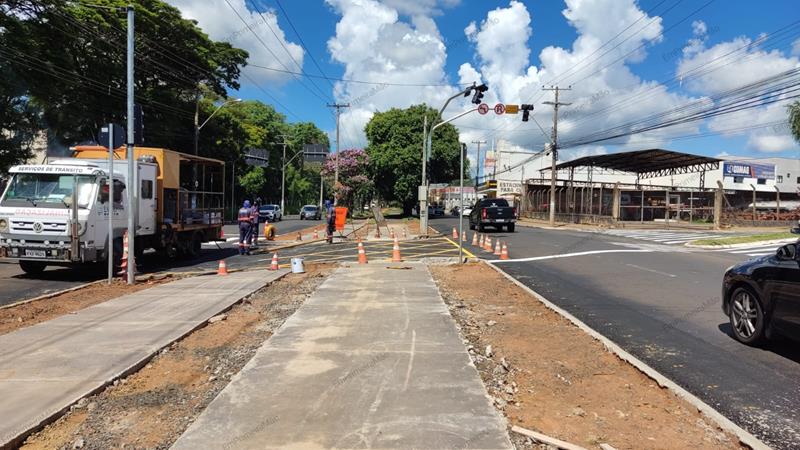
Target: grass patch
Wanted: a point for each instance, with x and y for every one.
(392, 212)
(745, 239)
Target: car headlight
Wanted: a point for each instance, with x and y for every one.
(3, 225)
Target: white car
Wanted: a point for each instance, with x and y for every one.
(467, 211)
(271, 213)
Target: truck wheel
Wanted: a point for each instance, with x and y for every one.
(32, 267)
(195, 246)
(481, 228)
(511, 228)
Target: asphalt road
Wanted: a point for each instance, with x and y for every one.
(662, 304)
(15, 285)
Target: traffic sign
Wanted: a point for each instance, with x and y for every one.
(499, 109)
(512, 109)
(483, 108)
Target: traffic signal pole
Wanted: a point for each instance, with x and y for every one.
(554, 151)
(132, 181)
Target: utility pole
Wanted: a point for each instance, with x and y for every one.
(132, 181)
(338, 107)
(423, 189)
(554, 150)
(283, 174)
(478, 162)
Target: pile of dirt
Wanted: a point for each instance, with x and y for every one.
(546, 375)
(153, 407)
(30, 313)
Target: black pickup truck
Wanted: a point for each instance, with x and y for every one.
(493, 212)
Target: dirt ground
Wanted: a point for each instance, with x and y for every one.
(546, 375)
(292, 236)
(153, 407)
(27, 314)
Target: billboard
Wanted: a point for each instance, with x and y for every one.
(748, 170)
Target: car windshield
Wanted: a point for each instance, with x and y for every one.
(494, 202)
(48, 190)
(268, 208)
(310, 208)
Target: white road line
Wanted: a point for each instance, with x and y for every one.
(772, 247)
(759, 254)
(567, 255)
(652, 270)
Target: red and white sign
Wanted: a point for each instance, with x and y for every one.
(499, 108)
(483, 108)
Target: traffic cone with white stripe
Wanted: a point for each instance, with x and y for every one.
(463, 236)
(498, 249)
(123, 267)
(223, 268)
(396, 252)
(488, 245)
(474, 238)
(482, 240)
(504, 252)
(274, 264)
(455, 233)
(362, 255)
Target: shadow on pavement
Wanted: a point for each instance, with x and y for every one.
(779, 345)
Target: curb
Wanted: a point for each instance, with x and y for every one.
(723, 422)
(741, 245)
(51, 294)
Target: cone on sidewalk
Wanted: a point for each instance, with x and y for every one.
(274, 264)
(396, 252)
(474, 238)
(498, 248)
(223, 268)
(455, 233)
(123, 267)
(504, 252)
(362, 255)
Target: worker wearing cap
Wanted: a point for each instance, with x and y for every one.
(245, 217)
(254, 224)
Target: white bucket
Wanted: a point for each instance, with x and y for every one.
(297, 265)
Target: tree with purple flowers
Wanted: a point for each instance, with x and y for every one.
(355, 188)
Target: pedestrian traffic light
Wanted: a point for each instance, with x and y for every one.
(526, 110)
(477, 98)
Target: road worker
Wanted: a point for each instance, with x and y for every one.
(254, 224)
(331, 221)
(245, 218)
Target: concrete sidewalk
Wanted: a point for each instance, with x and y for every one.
(372, 360)
(47, 367)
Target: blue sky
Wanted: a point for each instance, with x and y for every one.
(424, 42)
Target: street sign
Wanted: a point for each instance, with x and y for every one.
(483, 108)
(499, 109)
(512, 109)
(117, 132)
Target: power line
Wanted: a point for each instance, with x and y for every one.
(303, 44)
(346, 80)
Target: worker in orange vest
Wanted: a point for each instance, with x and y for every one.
(254, 225)
(245, 218)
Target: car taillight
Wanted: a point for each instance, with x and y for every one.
(514, 211)
(483, 213)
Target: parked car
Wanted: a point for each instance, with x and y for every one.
(761, 296)
(310, 212)
(271, 213)
(467, 211)
(436, 210)
(493, 212)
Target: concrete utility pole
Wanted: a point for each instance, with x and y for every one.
(554, 150)
(423, 189)
(336, 161)
(478, 162)
(283, 174)
(132, 181)
(461, 205)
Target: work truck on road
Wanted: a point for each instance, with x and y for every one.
(58, 213)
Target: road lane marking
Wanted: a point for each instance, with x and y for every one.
(567, 255)
(652, 270)
(464, 247)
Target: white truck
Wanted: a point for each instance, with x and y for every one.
(57, 213)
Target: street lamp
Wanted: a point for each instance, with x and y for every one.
(197, 127)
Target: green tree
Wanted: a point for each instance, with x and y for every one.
(395, 150)
(794, 120)
(19, 123)
(71, 58)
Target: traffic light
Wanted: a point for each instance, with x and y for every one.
(526, 110)
(477, 98)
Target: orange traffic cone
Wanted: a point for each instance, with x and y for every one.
(123, 267)
(396, 252)
(498, 248)
(274, 265)
(463, 236)
(223, 268)
(316, 234)
(474, 238)
(504, 252)
(482, 241)
(299, 236)
(488, 246)
(455, 233)
(362, 255)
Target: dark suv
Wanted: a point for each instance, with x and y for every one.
(761, 296)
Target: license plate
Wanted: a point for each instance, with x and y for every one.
(35, 253)
(500, 220)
